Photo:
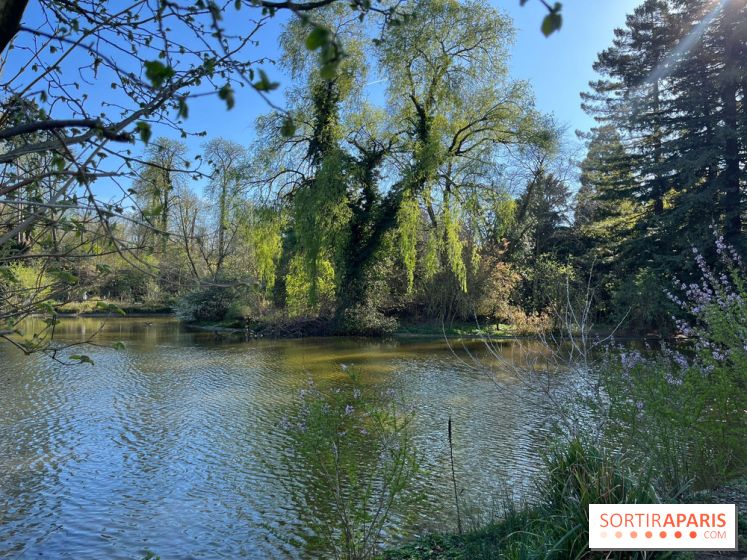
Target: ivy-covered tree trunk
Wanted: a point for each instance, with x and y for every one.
(366, 238)
(371, 217)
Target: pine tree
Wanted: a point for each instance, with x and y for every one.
(674, 89)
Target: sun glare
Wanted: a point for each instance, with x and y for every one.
(687, 42)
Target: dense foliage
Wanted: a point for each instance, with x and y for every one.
(669, 161)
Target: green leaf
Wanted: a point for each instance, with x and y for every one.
(330, 57)
(103, 268)
(183, 109)
(318, 37)
(58, 162)
(209, 65)
(143, 129)
(119, 345)
(552, 22)
(215, 12)
(226, 94)
(157, 72)
(328, 71)
(264, 83)
(82, 358)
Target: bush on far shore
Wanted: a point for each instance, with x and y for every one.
(216, 302)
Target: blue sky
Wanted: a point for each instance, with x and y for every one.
(559, 67)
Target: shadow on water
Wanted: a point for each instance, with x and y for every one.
(174, 443)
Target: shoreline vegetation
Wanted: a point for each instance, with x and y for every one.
(314, 327)
(517, 534)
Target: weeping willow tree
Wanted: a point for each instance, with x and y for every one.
(312, 167)
(360, 177)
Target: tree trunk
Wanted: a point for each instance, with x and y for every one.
(731, 195)
(11, 12)
(660, 181)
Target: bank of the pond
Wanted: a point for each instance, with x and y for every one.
(537, 531)
(291, 328)
(280, 326)
(103, 308)
(311, 328)
(315, 327)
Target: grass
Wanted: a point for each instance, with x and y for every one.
(431, 328)
(554, 527)
(514, 538)
(93, 307)
(490, 542)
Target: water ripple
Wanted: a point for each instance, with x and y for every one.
(173, 444)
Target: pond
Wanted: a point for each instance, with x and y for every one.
(174, 444)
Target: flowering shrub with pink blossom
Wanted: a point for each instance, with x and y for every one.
(685, 407)
(353, 452)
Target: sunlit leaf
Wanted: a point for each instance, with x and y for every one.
(318, 37)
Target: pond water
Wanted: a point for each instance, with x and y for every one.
(174, 444)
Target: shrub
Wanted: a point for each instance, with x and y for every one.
(524, 324)
(686, 409)
(212, 303)
(545, 284)
(366, 320)
(129, 284)
(353, 450)
(495, 288)
(441, 296)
